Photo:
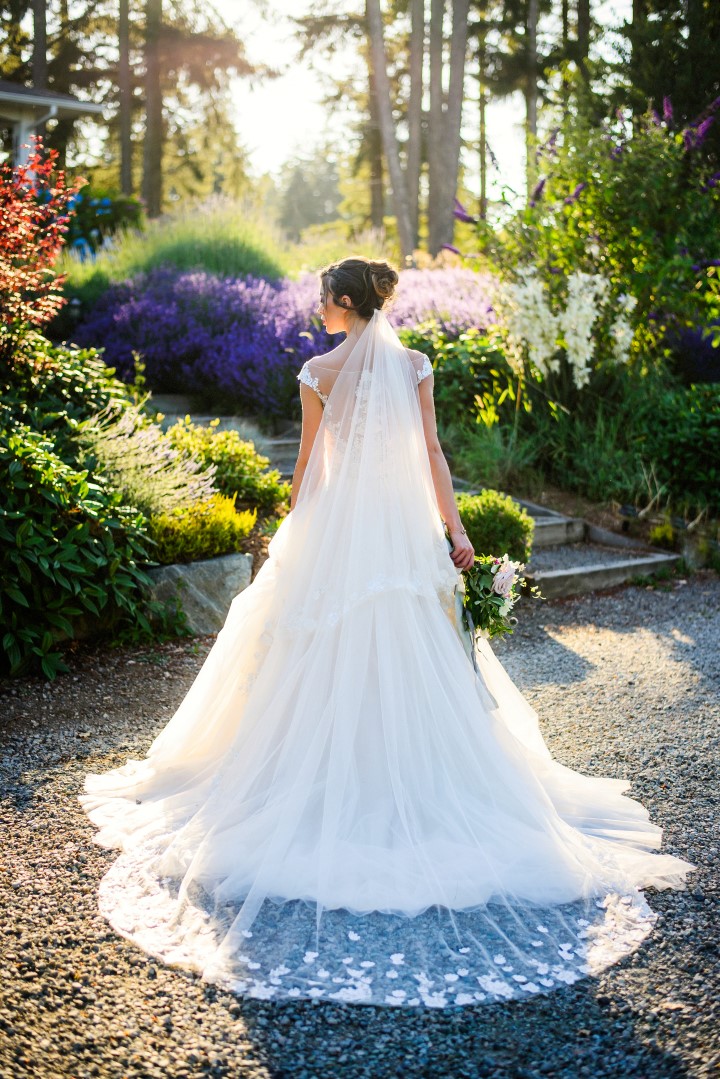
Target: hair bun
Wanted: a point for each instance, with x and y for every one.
(384, 279)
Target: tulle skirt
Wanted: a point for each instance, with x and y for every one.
(344, 809)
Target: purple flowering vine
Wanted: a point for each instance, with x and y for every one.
(570, 199)
(461, 214)
(712, 182)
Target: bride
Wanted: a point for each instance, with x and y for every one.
(344, 806)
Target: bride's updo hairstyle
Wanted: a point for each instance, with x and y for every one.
(369, 283)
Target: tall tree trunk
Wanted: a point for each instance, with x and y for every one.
(482, 103)
(153, 146)
(565, 24)
(531, 94)
(125, 98)
(387, 127)
(436, 148)
(583, 37)
(414, 147)
(377, 189)
(453, 118)
(445, 140)
(39, 56)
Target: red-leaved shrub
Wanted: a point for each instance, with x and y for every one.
(34, 215)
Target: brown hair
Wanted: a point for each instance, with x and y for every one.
(368, 282)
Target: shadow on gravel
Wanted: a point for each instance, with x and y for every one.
(579, 1032)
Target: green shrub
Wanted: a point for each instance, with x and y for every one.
(683, 442)
(150, 472)
(239, 469)
(53, 388)
(201, 530)
(67, 548)
(496, 525)
(471, 372)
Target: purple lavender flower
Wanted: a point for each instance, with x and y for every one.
(616, 151)
(689, 138)
(655, 116)
(246, 338)
(667, 110)
(449, 247)
(537, 192)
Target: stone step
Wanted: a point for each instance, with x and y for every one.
(573, 568)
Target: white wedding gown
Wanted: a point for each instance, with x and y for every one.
(342, 808)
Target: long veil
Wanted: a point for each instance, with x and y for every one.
(342, 807)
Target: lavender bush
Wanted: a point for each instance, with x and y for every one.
(241, 341)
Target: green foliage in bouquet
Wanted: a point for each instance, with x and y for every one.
(200, 530)
(494, 522)
(491, 588)
(68, 548)
(239, 470)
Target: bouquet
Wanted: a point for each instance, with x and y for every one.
(484, 601)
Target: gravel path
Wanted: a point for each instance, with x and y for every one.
(626, 683)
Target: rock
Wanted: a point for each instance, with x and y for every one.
(205, 588)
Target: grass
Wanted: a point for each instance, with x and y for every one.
(219, 236)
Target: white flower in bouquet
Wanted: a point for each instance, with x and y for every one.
(504, 578)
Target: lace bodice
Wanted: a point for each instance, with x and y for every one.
(305, 375)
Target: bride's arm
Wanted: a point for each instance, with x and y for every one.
(312, 411)
(462, 553)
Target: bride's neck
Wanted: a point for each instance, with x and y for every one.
(355, 329)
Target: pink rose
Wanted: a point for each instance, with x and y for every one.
(504, 579)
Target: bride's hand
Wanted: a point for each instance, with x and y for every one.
(463, 552)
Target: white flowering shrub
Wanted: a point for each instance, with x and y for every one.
(535, 331)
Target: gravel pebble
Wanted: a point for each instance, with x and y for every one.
(626, 684)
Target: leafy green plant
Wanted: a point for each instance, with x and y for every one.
(471, 372)
(53, 388)
(150, 472)
(636, 202)
(683, 441)
(239, 470)
(496, 525)
(200, 530)
(68, 549)
(497, 456)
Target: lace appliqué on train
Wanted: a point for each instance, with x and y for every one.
(434, 960)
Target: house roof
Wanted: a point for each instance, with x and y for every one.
(15, 93)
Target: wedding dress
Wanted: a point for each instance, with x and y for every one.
(345, 807)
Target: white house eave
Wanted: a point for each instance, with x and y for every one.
(15, 106)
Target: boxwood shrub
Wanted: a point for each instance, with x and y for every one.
(496, 525)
